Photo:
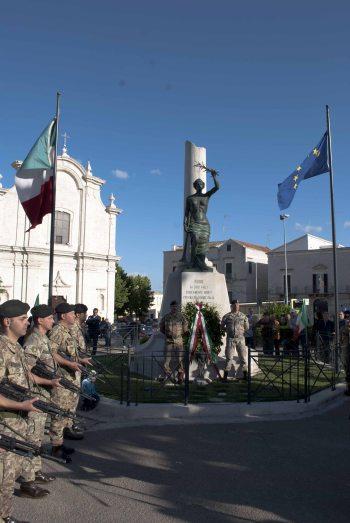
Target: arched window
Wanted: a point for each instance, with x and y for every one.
(62, 226)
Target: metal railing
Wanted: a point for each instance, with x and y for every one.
(296, 373)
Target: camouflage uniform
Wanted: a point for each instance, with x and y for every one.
(77, 333)
(174, 326)
(36, 346)
(235, 325)
(13, 368)
(345, 350)
(61, 339)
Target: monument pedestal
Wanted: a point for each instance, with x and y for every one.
(198, 287)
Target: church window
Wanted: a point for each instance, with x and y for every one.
(228, 247)
(228, 269)
(62, 225)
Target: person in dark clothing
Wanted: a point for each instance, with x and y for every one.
(324, 328)
(93, 323)
(267, 333)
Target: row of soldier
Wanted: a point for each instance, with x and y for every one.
(39, 379)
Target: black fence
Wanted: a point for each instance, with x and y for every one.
(135, 377)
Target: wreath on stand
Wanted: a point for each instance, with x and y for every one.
(205, 335)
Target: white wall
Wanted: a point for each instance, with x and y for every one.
(84, 269)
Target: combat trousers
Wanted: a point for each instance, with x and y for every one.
(10, 465)
(66, 400)
(35, 434)
(236, 347)
(173, 353)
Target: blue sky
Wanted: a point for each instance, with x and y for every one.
(247, 80)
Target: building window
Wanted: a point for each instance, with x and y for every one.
(174, 268)
(228, 247)
(320, 283)
(250, 267)
(62, 225)
(228, 269)
(289, 284)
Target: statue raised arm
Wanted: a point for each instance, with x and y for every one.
(196, 225)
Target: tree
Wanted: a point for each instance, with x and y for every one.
(121, 291)
(140, 295)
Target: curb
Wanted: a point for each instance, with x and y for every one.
(111, 414)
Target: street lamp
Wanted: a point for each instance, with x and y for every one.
(283, 218)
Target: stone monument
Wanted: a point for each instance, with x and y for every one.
(195, 279)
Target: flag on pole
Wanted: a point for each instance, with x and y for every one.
(34, 179)
(314, 164)
(302, 319)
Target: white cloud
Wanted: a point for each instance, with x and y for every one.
(308, 228)
(122, 175)
(347, 224)
(156, 172)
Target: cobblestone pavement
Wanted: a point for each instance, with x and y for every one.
(284, 471)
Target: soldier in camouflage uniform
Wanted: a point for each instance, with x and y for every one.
(13, 319)
(235, 324)
(77, 330)
(62, 340)
(37, 347)
(174, 325)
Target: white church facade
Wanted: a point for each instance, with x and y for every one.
(85, 243)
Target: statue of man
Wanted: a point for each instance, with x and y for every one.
(196, 224)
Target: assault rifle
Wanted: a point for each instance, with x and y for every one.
(41, 369)
(84, 371)
(17, 393)
(26, 449)
(97, 364)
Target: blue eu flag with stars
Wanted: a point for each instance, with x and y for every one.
(314, 164)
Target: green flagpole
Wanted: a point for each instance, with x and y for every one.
(334, 240)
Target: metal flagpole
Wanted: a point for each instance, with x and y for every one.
(52, 232)
(334, 240)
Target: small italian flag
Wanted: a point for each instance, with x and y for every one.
(34, 178)
(302, 320)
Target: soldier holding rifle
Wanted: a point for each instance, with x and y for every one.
(14, 322)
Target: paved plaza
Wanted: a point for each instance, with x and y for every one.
(285, 471)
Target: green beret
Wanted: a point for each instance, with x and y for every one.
(80, 307)
(63, 308)
(41, 311)
(13, 308)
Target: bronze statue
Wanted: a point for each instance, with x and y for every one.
(196, 225)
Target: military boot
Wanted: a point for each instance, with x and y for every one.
(347, 390)
(224, 379)
(69, 433)
(42, 477)
(29, 489)
(58, 452)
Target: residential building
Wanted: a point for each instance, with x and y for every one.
(244, 265)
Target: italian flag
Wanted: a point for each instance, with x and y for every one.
(34, 179)
(302, 320)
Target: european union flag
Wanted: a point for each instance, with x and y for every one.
(315, 163)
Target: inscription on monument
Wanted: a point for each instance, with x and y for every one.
(197, 290)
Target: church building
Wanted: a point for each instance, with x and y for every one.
(85, 243)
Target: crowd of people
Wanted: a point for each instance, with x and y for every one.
(41, 382)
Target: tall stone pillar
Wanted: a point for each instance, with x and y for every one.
(193, 155)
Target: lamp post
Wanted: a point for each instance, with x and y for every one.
(283, 218)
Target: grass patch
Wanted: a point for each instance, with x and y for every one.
(277, 380)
